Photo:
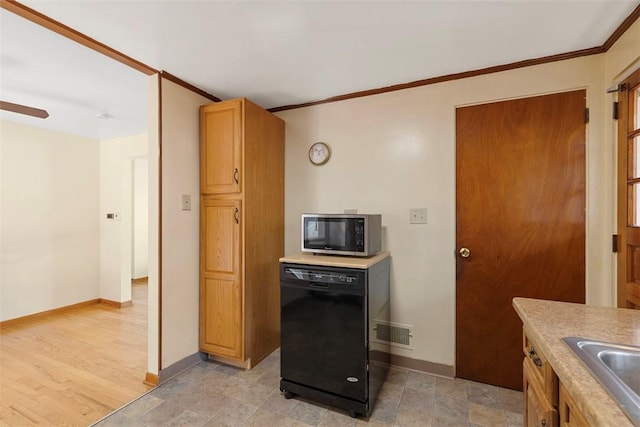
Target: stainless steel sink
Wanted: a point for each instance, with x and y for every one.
(616, 367)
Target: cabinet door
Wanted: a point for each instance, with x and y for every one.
(221, 322)
(220, 233)
(570, 415)
(221, 292)
(538, 410)
(221, 148)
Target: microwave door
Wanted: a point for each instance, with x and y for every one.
(338, 234)
(315, 233)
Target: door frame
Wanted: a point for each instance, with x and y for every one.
(623, 135)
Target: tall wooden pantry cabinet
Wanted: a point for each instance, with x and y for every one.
(241, 230)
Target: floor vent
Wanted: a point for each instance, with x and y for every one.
(395, 334)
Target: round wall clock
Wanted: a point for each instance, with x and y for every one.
(319, 153)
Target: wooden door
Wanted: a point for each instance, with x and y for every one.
(628, 193)
(221, 147)
(221, 324)
(520, 212)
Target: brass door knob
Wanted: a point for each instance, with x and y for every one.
(465, 252)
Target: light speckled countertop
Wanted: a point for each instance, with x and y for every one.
(547, 322)
(335, 261)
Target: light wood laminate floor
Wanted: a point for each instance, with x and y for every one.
(74, 367)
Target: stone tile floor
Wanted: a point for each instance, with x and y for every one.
(212, 394)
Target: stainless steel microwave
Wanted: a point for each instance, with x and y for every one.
(342, 234)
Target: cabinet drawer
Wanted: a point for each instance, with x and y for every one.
(541, 369)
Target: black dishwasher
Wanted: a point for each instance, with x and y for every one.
(325, 346)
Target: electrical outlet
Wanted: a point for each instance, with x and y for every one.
(418, 216)
(186, 202)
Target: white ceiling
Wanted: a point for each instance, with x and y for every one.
(42, 69)
(278, 52)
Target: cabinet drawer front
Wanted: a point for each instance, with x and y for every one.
(541, 369)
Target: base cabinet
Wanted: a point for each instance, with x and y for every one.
(546, 401)
(241, 230)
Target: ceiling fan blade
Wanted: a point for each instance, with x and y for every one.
(23, 109)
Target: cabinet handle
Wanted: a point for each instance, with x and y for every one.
(532, 354)
(235, 216)
(543, 423)
(235, 175)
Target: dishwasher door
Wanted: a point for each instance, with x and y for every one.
(324, 329)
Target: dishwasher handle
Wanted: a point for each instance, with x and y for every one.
(309, 286)
(318, 285)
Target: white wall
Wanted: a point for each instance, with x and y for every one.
(116, 171)
(140, 250)
(390, 152)
(180, 229)
(49, 228)
(624, 55)
(396, 151)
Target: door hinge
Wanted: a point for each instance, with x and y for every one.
(586, 115)
(615, 110)
(614, 243)
(620, 88)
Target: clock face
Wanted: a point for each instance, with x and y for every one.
(319, 153)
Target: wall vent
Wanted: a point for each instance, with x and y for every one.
(396, 334)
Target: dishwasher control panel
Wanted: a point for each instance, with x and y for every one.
(320, 276)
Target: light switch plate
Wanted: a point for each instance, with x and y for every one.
(418, 216)
(186, 202)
